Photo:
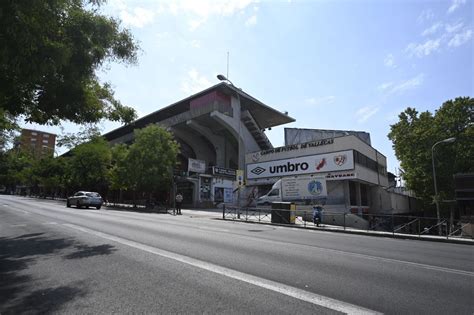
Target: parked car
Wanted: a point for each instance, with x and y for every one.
(85, 199)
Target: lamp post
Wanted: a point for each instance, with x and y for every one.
(449, 140)
(240, 162)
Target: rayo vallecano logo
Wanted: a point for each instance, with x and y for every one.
(258, 170)
(256, 156)
(340, 159)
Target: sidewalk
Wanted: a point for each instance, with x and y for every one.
(300, 224)
(216, 213)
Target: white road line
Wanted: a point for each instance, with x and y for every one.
(213, 229)
(389, 260)
(303, 295)
(17, 225)
(49, 223)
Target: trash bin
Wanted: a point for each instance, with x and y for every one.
(283, 212)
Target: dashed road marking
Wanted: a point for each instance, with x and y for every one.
(297, 293)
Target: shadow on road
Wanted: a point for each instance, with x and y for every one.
(20, 291)
(84, 251)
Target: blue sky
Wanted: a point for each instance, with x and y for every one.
(351, 65)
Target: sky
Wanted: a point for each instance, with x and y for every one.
(351, 65)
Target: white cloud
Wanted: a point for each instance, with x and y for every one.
(196, 13)
(385, 86)
(195, 43)
(206, 8)
(460, 38)
(194, 82)
(391, 87)
(195, 23)
(423, 49)
(251, 21)
(451, 28)
(455, 4)
(324, 100)
(364, 113)
(139, 17)
(432, 29)
(425, 15)
(200, 11)
(389, 61)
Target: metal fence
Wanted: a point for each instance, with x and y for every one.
(376, 223)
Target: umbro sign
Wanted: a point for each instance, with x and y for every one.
(258, 170)
(312, 164)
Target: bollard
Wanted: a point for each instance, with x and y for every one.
(223, 212)
(344, 214)
(393, 226)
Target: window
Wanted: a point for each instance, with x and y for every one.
(45, 136)
(93, 194)
(33, 139)
(34, 133)
(45, 141)
(364, 195)
(352, 193)
(274, 192)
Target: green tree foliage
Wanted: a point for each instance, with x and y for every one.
(151, 159)
(88, 167)
(414, 135)
(49, 175)
(72, 140)
(49, 53)
(119, 173)
(16, 168)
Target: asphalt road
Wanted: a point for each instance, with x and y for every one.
(68, 260)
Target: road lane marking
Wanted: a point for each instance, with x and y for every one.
(347, 253)
(17, 225)
(365, 256)
(281, 288)
(212, 229)
(49, 223)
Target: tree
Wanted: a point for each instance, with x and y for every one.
(16, 169)
(49, 175)
(72, 140)
(151, 158)
(49, 52)
(414, 135)
(88, 167)
(119, 173)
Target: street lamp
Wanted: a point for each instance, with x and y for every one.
(449, 140)
(222, 77)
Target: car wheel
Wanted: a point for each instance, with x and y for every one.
(98, 207)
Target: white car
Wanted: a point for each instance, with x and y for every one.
(85, 199)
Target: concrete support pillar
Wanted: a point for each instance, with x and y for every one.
(347, 195)
(358, 198)
(217, 140)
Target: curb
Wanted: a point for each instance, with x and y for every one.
(397, 236)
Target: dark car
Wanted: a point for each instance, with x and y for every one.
(85, 199)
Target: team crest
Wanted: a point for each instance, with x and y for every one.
(340, 159)
(256, 156)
